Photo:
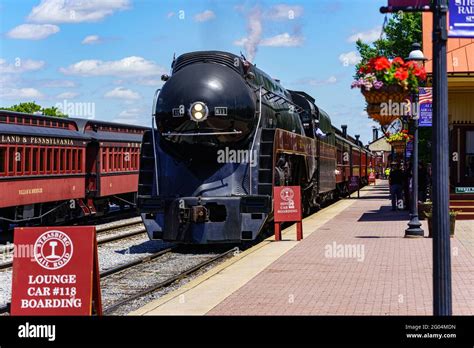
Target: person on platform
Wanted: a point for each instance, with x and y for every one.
(396, 183)
(387, 172)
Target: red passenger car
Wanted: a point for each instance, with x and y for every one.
(53, 169)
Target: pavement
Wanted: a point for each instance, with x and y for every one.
(353, 260)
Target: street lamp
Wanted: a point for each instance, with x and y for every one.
(414, 226)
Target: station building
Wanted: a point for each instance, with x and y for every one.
(461, 108)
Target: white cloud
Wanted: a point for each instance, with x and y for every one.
(132, 116)
(20, 65)
(170, 14)
(122, 93)
(283, 11)
(350, 58)
(127, 67)
(52, 83)
(204, 16)
(67, 95)
(366, 36)
(282, 40)
(148, 82)
(73, 11)
(91, 40)
(32, 31)
(20, 93)
(315, 82)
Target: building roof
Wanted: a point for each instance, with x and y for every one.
(380, 145)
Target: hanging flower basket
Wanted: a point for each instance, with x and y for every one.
(383, 81)
(398, 140)
(395, 93)
(375, 112)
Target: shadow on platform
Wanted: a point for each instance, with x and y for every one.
(385, 213)
(383, 196)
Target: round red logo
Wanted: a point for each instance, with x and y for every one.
(287, 194)
(53, 249)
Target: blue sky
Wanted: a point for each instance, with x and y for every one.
(111, 53)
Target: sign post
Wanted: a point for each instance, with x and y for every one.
(287, 207)
(55, 271)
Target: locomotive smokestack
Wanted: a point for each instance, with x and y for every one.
(344, 130)
(375, 133)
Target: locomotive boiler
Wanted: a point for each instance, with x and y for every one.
(224, 134)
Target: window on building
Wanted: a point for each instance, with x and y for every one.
(469, 172)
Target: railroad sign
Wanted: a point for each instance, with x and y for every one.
(461, 18)
(287, 203)
(287, 208)
(55, 271)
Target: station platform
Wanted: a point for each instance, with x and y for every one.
(353, 260)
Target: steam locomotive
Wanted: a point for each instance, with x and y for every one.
(226, 134)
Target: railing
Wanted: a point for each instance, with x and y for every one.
(155, 157)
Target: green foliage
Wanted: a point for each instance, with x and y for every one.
(401, 31)
(32, 107)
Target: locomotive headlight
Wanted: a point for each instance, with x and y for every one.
(198, 111)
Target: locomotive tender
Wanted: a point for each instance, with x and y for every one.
(55, 169)
(213, 107)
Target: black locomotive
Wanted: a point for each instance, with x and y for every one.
(226, 134)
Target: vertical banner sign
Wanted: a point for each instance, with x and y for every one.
(287, 208)
(461, 18)
(409, 3)
(55, 271)
(425, 101)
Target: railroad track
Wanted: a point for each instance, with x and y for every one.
(106, 233)
(163, 283)
(150, 288)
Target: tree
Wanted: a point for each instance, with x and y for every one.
(401, 31)
(32, 108)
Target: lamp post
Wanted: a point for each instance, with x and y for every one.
(414, 226)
